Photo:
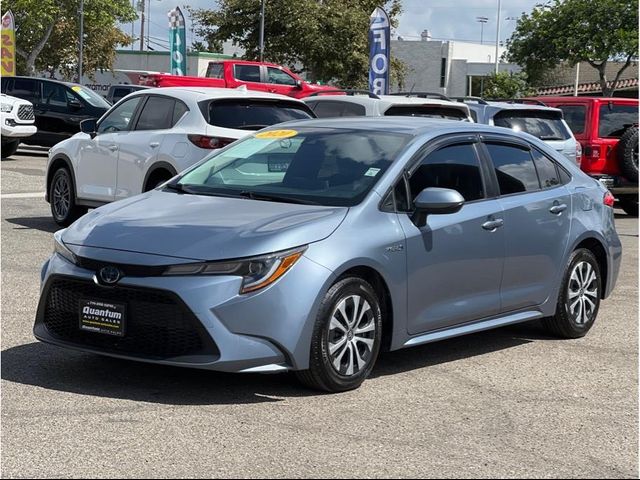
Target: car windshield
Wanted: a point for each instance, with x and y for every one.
(546, 125)
(254, 114)
(615, 119)
(91, 97)
(324, 166)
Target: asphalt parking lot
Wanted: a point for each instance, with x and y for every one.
(505, 403)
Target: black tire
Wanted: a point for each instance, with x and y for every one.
(156, 179)
(629, 203)
(322, 374)
(63, 199)
(9, 148)
(567, 322)
(628, 153)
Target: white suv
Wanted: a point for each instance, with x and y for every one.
(354, 103)
(150, 136)
(17, 122)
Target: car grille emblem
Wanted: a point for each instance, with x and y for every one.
(109, 275)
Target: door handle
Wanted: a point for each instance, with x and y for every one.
(492, 225)
(154, 144)
(557, 209)
(113, 148)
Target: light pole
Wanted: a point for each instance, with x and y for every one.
(482, 21)
(81, 12)
(498, 35)
(262, 30)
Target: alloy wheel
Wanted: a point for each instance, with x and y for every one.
(352, 334)
(61, 197)
(582, 293)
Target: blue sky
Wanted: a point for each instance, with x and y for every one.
(445, 19)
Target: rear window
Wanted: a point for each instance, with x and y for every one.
(328, 109)
(253, 114)
(435, 111)
(546, 125)
(575, 116)
(215, 70)
(615, 119)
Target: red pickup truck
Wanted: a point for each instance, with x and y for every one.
(264, 77)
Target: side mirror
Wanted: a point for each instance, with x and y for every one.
(435, 201)
(298, 83)
(89, 126)
(74, 103)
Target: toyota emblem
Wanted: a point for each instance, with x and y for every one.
(109, 275)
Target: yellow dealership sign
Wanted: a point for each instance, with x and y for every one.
(8, 56)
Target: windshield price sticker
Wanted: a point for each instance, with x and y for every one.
(277, 134)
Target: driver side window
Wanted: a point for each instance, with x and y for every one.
(118, 119)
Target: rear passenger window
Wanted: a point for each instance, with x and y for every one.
(27, 89)
(157, 114)
(456, 167)
(514, 168)
(547, 172)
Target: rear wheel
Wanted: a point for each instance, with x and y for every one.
(579, 298)
(629, 203)
(156, 179)
(9, 148)
(346, 337)
(628, 152)
(63, 200)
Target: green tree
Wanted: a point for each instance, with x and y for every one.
(329, 38)
(573, 31)
(506, 85)
(47, 33)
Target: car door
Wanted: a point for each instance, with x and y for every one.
(537, 218)
(139, 146)
(60, 111)
(454, 262)
(249, 75)
(97, 166)
(279, 81)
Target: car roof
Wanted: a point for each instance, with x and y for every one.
(499, 106)
(52, 80)
(388, 101)
(206, 93)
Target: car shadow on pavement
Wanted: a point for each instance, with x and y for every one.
(65, 370)
(45, 224)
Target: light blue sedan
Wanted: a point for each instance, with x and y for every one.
(313, 245)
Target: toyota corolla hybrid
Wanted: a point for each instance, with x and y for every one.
(313, 245)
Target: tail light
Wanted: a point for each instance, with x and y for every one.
(578, 153)
(609, 200)
(204, 141)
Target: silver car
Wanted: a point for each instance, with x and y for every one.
(314, 245)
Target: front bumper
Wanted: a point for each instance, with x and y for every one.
(191, 321)
(18, 131)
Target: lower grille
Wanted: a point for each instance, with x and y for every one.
(25, 112)
(158, 324)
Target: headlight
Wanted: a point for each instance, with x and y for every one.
(6, 107)
(256, 272)
(61, 249)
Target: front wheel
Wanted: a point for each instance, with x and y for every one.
(9, 148)
(579, 298)
(63, 201)
(346, 337)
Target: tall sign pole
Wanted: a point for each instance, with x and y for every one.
(498, 36)
(81, 13)
(178, 42)
(8, 57)
(262, 30)
(379, 52)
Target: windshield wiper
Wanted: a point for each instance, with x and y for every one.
(178, 187)
(275, 198)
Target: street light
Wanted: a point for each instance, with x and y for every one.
(482, 21)
(81, 46)
(498, 34)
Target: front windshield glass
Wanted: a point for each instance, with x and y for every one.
(324, 166)
(91, 97)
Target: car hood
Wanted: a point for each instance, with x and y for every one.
(200, 227)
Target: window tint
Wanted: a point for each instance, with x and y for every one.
(546, 125)
(275, 75)
(575, 116)
(247, 73)
(615, 119)
(456, 167)
(339, 109)
(215, 70)
(119, 118)
(157, 114)
(179, 110)
(254, 114)
(547, 172)
(435, 111)
(565, 177)
(54, 94)
(27, 89)
(514, 168)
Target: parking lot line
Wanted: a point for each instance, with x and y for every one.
(23, 195)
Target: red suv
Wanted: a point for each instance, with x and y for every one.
(607, 129)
